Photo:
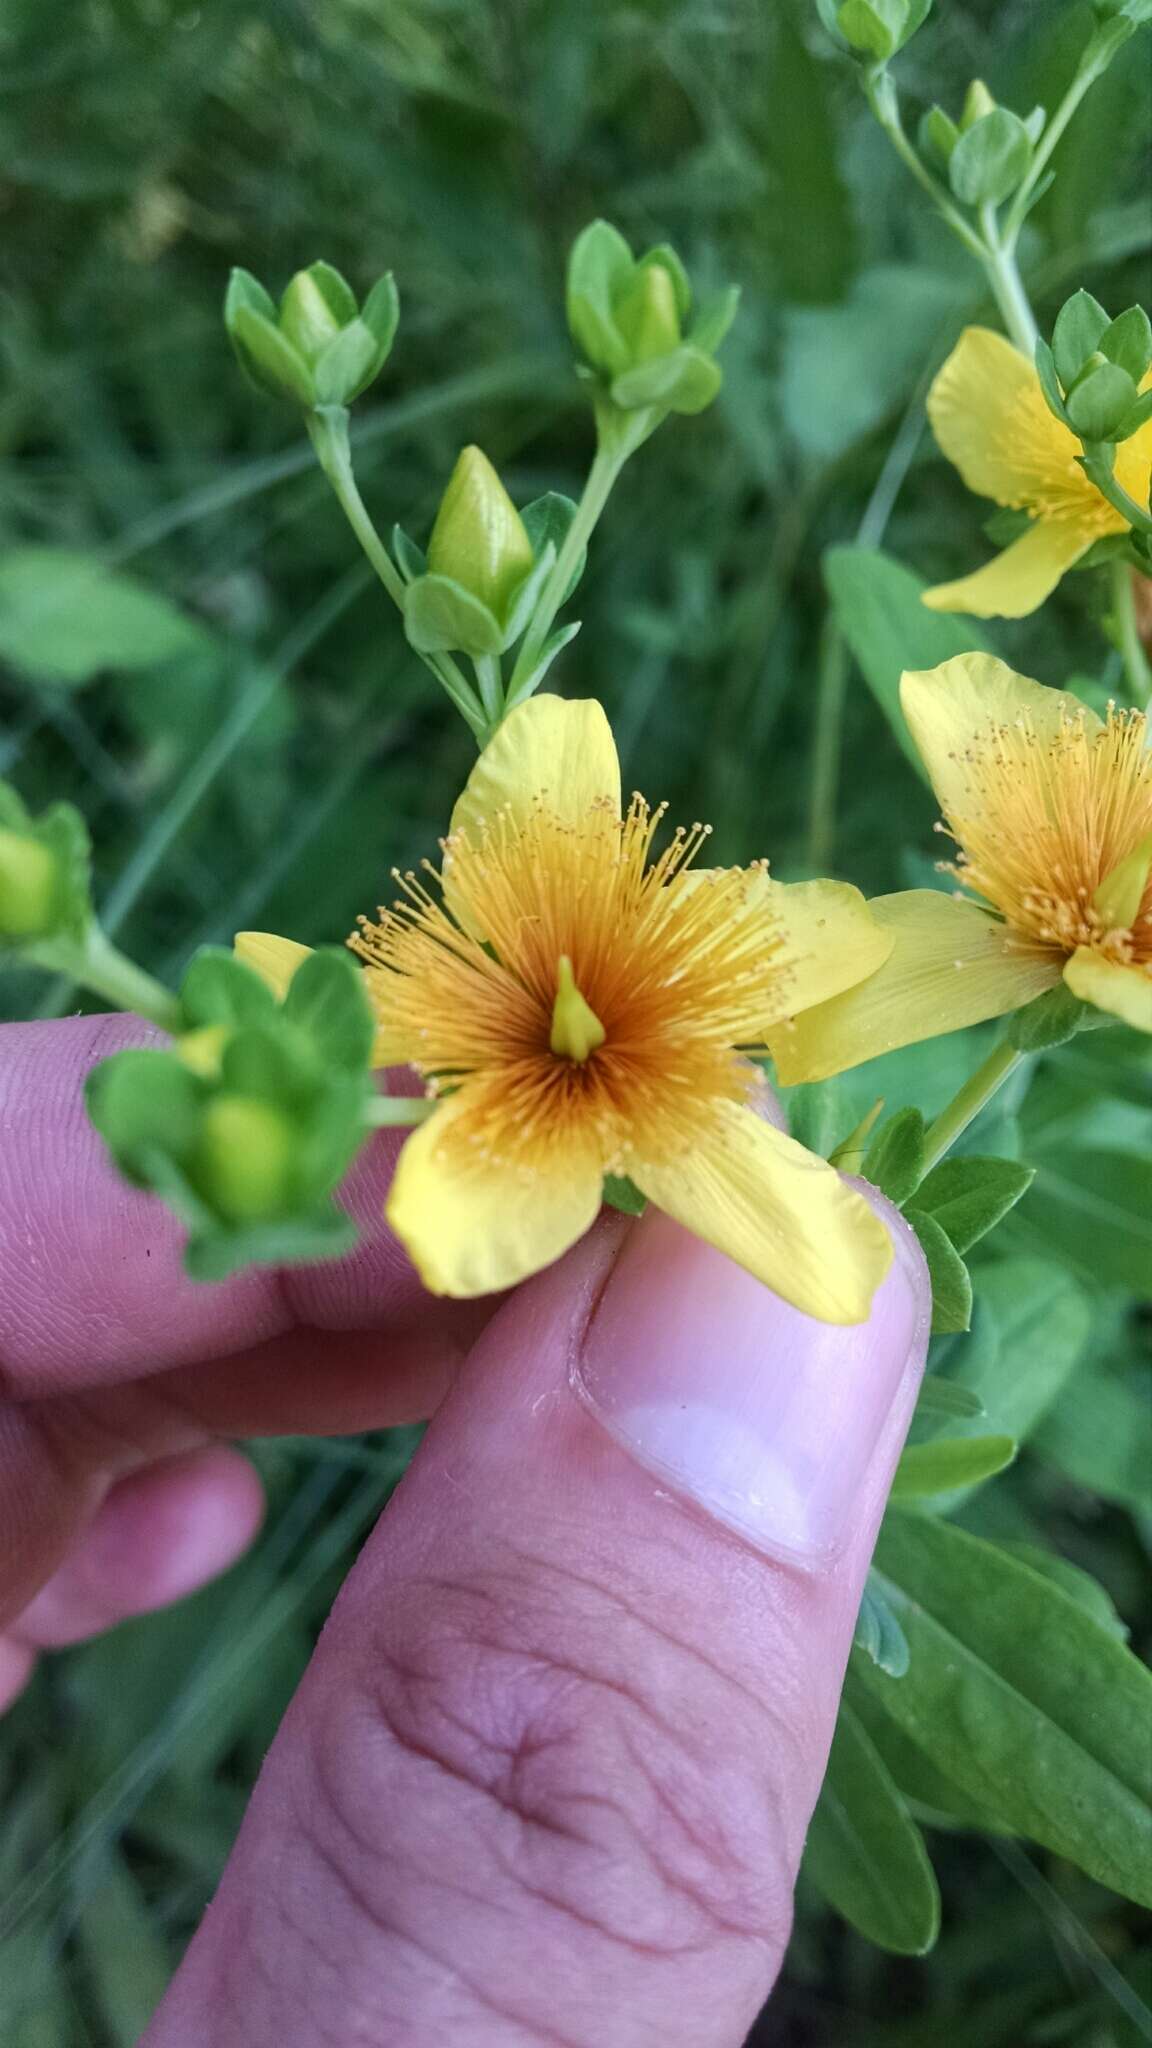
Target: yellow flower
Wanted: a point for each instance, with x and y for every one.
(1051, 811)
(989, 416)
(576, 1002)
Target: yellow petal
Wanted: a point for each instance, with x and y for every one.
(1016, 582)
(965, 699)
(546, 747)
(833, 940)
(474, 1226)
(950, 965)
(989, 418)
(779, 1211)
(1125, 992)
(274, 959)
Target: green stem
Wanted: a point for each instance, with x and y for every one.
(391, 1112)
(831, 690)
(1099, 471)
(967, 1103)
(881, 96)
(1136, 666)
(328, 433)
(491, 685)
(1085, 78)
(612, 453)
(96, 964)
(998, 255)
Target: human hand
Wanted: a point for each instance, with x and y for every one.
(548, 1775)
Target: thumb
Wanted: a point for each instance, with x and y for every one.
(548, 1777)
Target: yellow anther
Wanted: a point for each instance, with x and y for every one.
(576, 1029)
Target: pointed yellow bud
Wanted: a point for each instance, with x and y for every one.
(978, 101)
(647, 314)
(27, 886)
(479, 539)
(1117, 901)
(576, 1029)
(244, 1160)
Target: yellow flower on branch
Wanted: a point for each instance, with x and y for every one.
(990, 419)
(1050, 808)
(577, 1003)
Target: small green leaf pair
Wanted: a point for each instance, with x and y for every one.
(1092, 373)
(319, 346)
(476, 590)
(626, 316)
(44, 873)
(950, 1208)
(247, 1125)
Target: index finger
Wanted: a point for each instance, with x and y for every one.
(92, 1287)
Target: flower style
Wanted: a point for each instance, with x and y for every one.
(990, 418)
(577, 1004)
(1051, 811)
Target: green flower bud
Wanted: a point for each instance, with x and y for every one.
(479, 539)
(627, 315)
(243, 1159)
(978, 101)
(28, 887)
(873, 29)
(319, 347)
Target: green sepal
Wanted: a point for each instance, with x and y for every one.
(1049, 381)
(352, 359)
(546, 522)
(872, 27)
(714, 318)
(524, 600)
(268, 359)
(1100, 401)
(683, 381)
(990, 159)
(1048, 1020)
(894, 1160)
(325, 1233)
(1134, 420)
(1079, 325)
(623, 1194)
(968, 1196)
(441, 617)
(937, 135)
(926, 1470)
(554, 645)
(663, 257)
(878, 1632)
(327, 1001)
(951, 1284)
(1127, 342)
(220, 989)
(52, 898)
(380, 312)
(410, 559)
(145, 1105)
(599, 267)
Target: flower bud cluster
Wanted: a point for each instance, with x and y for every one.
(1093, 373)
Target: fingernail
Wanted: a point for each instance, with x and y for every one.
(763, 1416)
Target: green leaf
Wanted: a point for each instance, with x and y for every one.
(546, 521)
(1079, 325)
(328, 1001)
(64, 618)
(410, 560)
(950, 1462)
(1099, 1435)
(1032, 1321)
(1018, 1695)
(864, 1852)
(621, 1193)
(127, 1962)
(441, 617)
(1079, 1585)
(878, 1633)
(219, 989)
(1097, 406)
(1095, 1207)
(967, 1196)
(894, 1160)
(990, 158)
(1127, 342)
(951, 1286)
(713, 319)
(1048, 1020)
(878, 609)
(943, 1400)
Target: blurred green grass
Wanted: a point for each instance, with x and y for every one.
(275, 769)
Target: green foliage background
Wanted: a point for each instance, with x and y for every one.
(253, 743)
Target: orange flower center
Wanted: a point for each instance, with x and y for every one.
(677, 970)
(1046, 820)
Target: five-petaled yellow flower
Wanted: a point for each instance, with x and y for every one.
(1051, 811)
(578, 1003)
(990, 419)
